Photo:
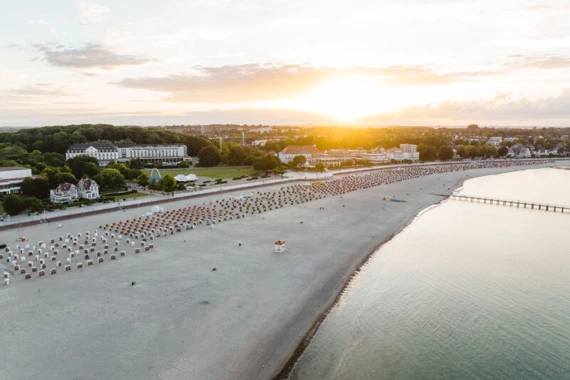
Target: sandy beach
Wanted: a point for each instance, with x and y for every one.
(184, 321)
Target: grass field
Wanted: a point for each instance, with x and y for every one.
(222, 172)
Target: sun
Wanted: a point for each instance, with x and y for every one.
(347, 98)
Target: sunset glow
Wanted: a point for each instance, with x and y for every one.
(443, 63)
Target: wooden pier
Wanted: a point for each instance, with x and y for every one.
(512, 203)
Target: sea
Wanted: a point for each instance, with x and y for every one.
(466, 291)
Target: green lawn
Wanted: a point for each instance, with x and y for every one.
(222, 172)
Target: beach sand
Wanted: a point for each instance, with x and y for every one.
(184, 321)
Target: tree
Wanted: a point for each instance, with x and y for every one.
(503, 151)
(110, 179)
(427, 152)
(445, 153)
(236, 156)
(83, 165)
(209, 156)
(299, 160)
(183, 164)
(195, 143)
(320, 167)
(33, 204)
(167, 183)
(142, 180)
(14, 204)
(36, 187)
(65, 178)
(491, 151)
(136, 163)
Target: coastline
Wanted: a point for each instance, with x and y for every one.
(261, 307)
(300, 349)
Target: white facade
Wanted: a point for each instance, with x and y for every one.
(495, 141)
(308, 151)
(11, 178)
(104, 152)
(87, 189)
(154, 153)
(64, 193)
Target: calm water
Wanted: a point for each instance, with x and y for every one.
(467, 291)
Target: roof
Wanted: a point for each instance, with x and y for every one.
(12, 168)
(301, 149)
(65, 187)
(100, 145)
(86, 183)
(185, 178)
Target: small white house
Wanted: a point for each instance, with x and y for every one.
(88, 189)
(64, 193)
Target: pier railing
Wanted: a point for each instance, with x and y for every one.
(512, 203)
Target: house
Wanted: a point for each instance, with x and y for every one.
(495, 141)
(519, 151)
(103, 151)
(309, 151)
(11, 178)
(87, 189)
(65, 192)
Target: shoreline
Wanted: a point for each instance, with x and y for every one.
(247, 320)
(286, 371)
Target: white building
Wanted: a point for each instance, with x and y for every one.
(410, 152)
(11, 178)
(309, 151)
(377, 158)
(103, 151)
(64, 193)
(154, 153)
(87, 189)
(495, 141)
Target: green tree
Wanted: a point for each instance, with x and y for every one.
(167, 183)
(83, 165)
(503, 151)
(299, 160)
(142, 180)
(14, 204)
(236, 156)
(491, 151)
(320, 167)
(445, 153)
(427, 152)
(136, 163)
(65, 178)
(195, 143)
(36, 187)
(209, 156)
(110, 179)
(33, 204)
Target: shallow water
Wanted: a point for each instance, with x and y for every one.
(467, 291)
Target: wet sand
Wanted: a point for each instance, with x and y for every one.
(184, 321)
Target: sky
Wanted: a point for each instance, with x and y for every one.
(285, 62)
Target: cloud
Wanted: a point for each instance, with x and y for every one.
(259, 82)
(545, 61)
(256, 116)
(90, 56)
(39, 90)
(502, 108)
(92, 13)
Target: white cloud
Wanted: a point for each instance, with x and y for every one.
(92, 13)
(90, 56)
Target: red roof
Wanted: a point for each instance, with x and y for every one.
(301, 149)
(85, 183)
(64, 187)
